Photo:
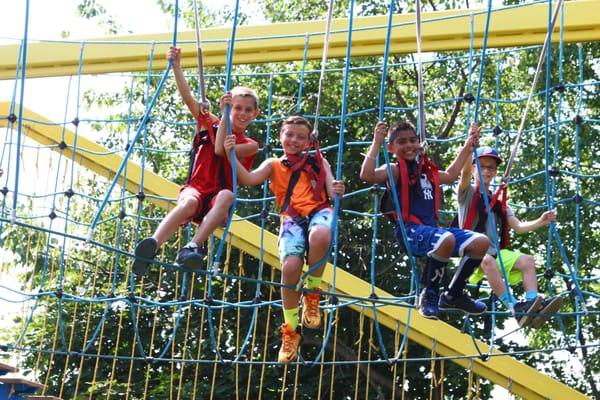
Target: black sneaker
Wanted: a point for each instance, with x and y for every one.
(525, 309)
(461, 302)
(190, 257)
(549, 307)
(428, 304)
(145, 251)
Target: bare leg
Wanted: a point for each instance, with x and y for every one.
(478, 247)
(493, 275)
(319, 238)
(291, 269)
(526, 264)
(473, 254)
(215, 217)
(183, 211)
(446, 247)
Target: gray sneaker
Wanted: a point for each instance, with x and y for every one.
(190, 257)
(549, 308)
(145, 251)
(524, 310)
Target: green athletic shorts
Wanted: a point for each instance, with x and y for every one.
(509, 258)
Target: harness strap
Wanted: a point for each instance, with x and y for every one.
(204, 137)
(498, 205)
(432, 174)
(288, 194)
(297, 169)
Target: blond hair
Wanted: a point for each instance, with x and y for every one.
(245, 92)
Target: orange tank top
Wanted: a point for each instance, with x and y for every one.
(302, 196)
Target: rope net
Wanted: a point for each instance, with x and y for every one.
(86, 326)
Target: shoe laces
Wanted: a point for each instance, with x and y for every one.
(287, 339)
(313, 300)
(193, 249)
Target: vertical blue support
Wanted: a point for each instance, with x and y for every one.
(216, 261)
(24, 46)
(137, 135)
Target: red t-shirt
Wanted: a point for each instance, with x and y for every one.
(211, 172)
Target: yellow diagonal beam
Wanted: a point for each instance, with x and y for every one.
(442, 30)
(503, 370)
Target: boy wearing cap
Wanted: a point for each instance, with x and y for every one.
(518, 266)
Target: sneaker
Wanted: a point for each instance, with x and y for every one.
(524, 309)
(461, 302)
(144, 252)
(428, 304)
(311, 315)
(190, 257)
(549, 307)
(290, 341)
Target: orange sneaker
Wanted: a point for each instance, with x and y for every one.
(290, 340)
(311, 315)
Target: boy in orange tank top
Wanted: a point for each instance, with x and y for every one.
(302, 185)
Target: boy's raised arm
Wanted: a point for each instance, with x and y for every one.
(174, 54)
(368, 172)
(245, 177)
(226, 99)
(465, 176)
(453, 171)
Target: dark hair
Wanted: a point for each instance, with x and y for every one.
(297, 120)
(401, 127)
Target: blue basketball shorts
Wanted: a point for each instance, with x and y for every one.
(424, 240)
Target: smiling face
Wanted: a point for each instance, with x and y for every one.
(243, 112)
(489, 170)
(294, 138)
(404, 144)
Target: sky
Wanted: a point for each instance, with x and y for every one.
(49, 19)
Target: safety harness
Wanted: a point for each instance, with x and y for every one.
(313, 166)
(405, 179)
(205, 137)
(498, 205)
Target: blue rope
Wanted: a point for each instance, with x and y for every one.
(467, 128)
(216, 261)
(262, 228)
(484, 194)
(20, 120)
(338, 172)
(550, 182)
(138, 133)
(315, 133)
(301, 80)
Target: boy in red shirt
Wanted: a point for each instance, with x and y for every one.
(302, 185)
(207, 195)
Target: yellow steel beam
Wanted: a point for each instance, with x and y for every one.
(442, 30)
(503, 370)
